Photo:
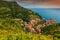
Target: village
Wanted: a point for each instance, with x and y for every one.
(34, 26)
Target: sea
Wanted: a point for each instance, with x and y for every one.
(48, 13)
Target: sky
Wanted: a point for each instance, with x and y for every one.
(48, 9)
(39, 3)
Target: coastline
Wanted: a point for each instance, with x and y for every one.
(48, 13)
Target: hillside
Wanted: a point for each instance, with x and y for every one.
(18, 23)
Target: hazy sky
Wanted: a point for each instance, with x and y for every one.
(40, 3)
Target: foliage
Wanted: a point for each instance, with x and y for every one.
(49, 29)
(12, 29)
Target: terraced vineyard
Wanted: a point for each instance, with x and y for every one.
(12, 19)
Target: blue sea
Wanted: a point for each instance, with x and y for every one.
(48, 13)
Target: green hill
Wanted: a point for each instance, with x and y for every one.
(13, 10)
(11, 25)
